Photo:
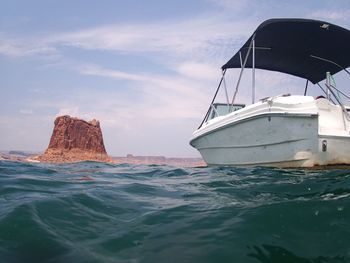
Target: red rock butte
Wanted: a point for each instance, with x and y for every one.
(75, 140)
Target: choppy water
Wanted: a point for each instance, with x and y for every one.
(92, 212)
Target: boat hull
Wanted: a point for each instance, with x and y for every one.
(267, 136)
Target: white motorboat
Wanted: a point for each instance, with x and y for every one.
(285, 130)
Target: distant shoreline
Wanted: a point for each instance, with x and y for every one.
(161, 160)
(22, 156)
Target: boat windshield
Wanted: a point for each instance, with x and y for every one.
(221, 109)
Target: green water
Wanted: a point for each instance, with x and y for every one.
(92, 212)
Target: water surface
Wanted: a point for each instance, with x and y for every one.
(94, 212)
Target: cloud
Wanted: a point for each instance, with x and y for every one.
(194, 38)
(95, 70)
(333, 15)
(176, 36)
(198, 70)
(11, 49)
(72, 111)
(26, 111)
(231, 4)
(19, 47)
(172, 95)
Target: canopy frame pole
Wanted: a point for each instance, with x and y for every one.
(253, 71)
(216, 93)
(306, 86)
(242, 69)
(318, 84)
(332, 62)
(336, 64)
(240, 58)
(226, 93)
(327, 85)
(329, 88)
(338, 90)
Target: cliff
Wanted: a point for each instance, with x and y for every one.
(75, 140)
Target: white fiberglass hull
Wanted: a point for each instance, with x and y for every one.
(293, 131)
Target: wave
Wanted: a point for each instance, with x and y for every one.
(96, 212)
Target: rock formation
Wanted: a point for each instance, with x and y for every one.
(75, 140)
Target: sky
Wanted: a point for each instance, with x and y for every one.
(146, 69)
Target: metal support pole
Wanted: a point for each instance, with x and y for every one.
(342, 93)
(339, 102)
(226, 92)
(306, 85)
(240, 58)
(216, 93)
(332, 62)
(241, 73)
(318, 84)
(328, 84)
(253, 72)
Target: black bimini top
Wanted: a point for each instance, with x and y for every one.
(300, 47)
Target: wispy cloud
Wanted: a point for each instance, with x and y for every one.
(198, 70)
(333, 15)
(231, 4)
(192, 38)
(171, 95)
(21, 47)
(95, 70)
(26, 111)
(175, 36)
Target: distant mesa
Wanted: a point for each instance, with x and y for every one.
(75, 140)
